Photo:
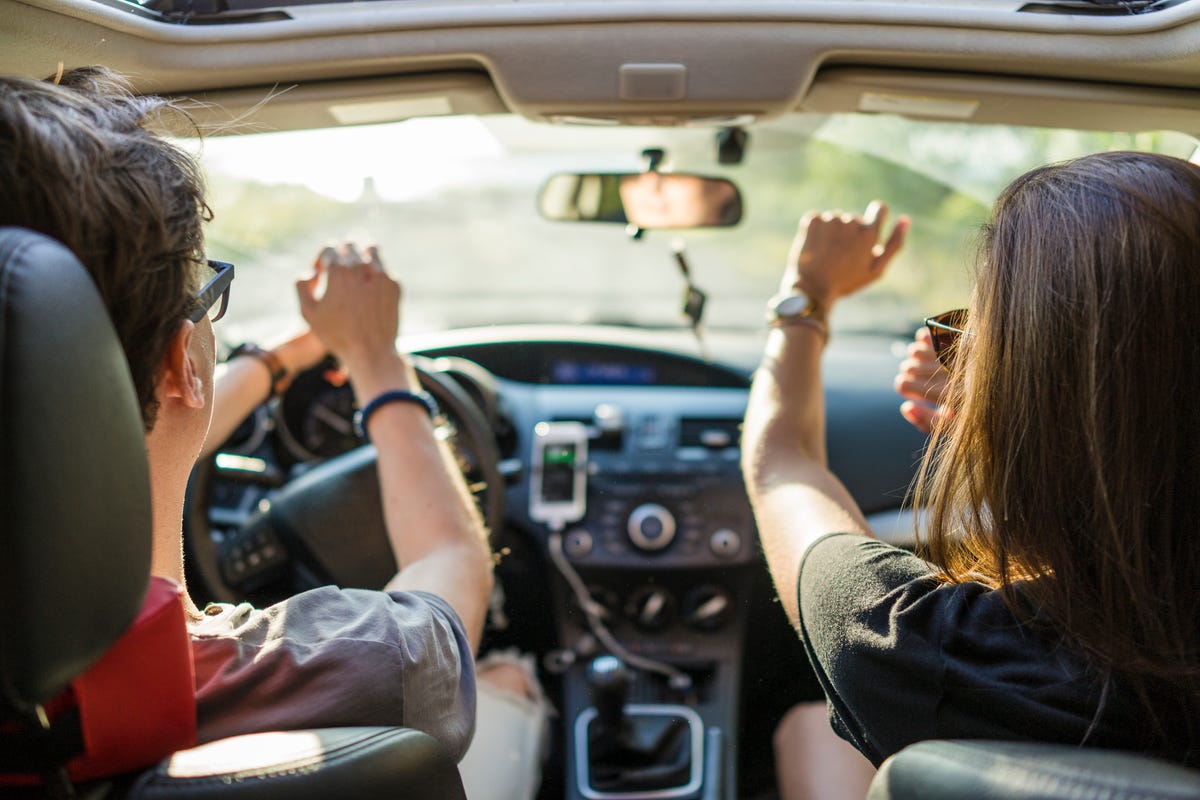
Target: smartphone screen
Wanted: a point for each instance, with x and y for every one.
(559, 481)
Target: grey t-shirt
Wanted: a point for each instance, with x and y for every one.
(903, 657)
(335, 657)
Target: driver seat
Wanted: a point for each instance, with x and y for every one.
(75, 537)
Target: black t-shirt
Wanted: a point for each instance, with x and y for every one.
(903, 658)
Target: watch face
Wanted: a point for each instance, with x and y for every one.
(791, 306)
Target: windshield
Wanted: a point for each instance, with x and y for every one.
(452, 204)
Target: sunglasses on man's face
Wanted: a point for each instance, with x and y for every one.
(946, 329)
(213, 297)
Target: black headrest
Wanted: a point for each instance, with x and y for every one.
(74, 483)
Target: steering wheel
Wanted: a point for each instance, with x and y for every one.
(326, 524)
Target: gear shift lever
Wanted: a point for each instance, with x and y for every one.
(631, 753)
(609, 682)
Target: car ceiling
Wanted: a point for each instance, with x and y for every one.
(665, 62)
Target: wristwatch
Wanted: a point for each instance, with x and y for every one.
(797, 308)
(783, 309)
(279, 373)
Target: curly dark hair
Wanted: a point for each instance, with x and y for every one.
(79, 163)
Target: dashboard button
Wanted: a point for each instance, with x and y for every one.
(578, 543)
(615, 547)
(725, 543)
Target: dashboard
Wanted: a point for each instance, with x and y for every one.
(622, 517)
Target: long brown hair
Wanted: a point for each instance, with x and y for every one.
(79, 163)
(1069, 475)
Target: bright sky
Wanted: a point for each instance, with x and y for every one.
(417, 157)
(407, 159)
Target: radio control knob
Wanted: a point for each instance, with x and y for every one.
(725, 543)
(651, 527)
(578, 543)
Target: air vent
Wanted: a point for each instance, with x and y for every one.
(599, 441)
(712, 434)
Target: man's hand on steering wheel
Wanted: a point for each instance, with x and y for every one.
(242, 383)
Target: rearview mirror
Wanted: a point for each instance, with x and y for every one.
(643, 199)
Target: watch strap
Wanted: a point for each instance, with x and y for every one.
(807, 322)
(278, 372)
(811, 315)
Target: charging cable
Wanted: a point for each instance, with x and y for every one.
(593, 612)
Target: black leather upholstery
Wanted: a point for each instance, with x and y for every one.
(74, 520)
(75, 551)
(942, 770)
(332, 763)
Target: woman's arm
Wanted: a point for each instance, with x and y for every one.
(796, 499)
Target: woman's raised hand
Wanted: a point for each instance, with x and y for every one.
(835, 254)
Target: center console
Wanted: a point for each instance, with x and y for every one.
(646, 517)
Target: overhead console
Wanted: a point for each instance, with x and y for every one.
(668, 63)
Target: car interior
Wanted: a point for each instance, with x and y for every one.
(98, 504)
(590, 355)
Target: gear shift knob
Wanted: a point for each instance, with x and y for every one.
(609, 682)
(646, 752)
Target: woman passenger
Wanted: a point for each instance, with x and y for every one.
(1061, 594)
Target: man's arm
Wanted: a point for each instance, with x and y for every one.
(433, 526)
(796, 499)
(243, 384)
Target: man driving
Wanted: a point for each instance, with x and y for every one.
(79, 163)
